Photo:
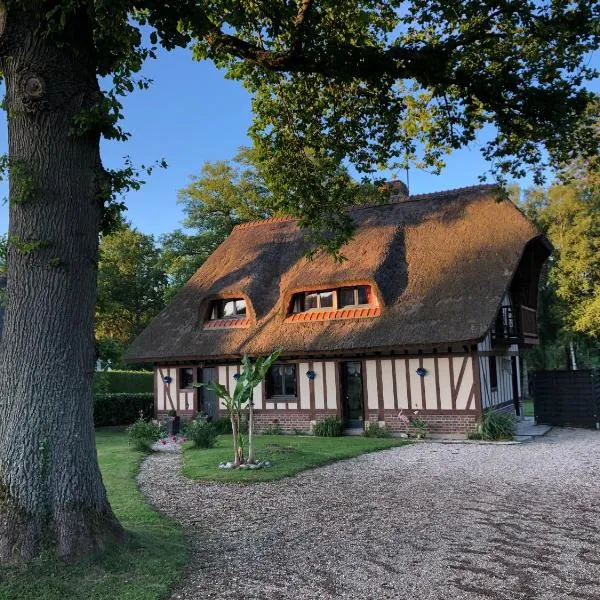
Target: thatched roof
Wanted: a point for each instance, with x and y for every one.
(439, 264)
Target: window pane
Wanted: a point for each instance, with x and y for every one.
(240, 307)
(229, 308)
(214, 313)
(326, 299)
(363, 294)
(186, 378)
(347, 297)
(493, 372)
(311, 301)
(290, 380)
(298, 303)
(277, 380)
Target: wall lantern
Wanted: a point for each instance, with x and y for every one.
(421, 372)
(311, 374)
(236, 376)
(167, 379)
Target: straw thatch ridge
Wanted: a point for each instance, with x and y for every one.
(439, 263)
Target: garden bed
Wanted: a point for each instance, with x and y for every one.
(287, 456)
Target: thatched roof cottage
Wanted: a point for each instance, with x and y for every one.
(427, 313)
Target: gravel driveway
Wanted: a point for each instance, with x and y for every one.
(428, 521)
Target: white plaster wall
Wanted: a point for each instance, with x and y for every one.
(319, 383)
(387, 382)
(401, 384)
(372, 387)
(303, 385)
(330, 379)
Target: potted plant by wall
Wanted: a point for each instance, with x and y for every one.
(173, 423)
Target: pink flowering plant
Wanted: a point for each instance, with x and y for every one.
(419, 426)
(414, 422)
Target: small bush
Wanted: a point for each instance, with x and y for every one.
(373, 430)
(222, 426)
(142, 434)
(121, 409)
(201, 433)
(328, 427)
(495, 425)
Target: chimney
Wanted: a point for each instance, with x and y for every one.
(398, 191)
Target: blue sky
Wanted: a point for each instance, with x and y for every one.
(192, 114)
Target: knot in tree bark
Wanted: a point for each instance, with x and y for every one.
(33, 87)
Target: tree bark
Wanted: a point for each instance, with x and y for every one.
(234, 435)
(251, 432)
(51, 491)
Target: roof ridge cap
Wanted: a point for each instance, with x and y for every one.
(263, 222)
(429, 196)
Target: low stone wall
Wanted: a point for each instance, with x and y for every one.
(288, 420)
(451, 423)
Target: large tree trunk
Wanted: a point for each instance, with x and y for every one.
(51, 491)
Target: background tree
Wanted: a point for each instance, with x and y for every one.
(362, 83)
(570, 294)
(131, 290)
(225, 194)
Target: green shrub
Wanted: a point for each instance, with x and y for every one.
(222, 426)
(121, 409)
(201, 433)
(495, 425)
(142, 434)
(373, 430)
(123, 382)
(328, 427)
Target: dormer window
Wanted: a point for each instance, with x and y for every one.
(357, 296)
(228, 308)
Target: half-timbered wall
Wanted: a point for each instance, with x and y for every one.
(169, 396)
(503, 393)
(447, 396)
(394, 384)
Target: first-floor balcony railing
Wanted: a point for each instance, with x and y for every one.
(515, 325)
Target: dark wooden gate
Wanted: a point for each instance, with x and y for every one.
(567, 398)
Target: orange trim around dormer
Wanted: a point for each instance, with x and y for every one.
(289, 294)
(227, 324)
(342, 313)
(206, 304)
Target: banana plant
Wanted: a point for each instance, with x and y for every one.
(252, 373)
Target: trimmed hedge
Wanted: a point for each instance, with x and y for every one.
(123, 382)
(121, 409)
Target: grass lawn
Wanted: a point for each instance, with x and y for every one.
(528, 408)
(288, 454)
(144, 567)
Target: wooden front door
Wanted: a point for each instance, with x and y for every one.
(352, 394)
(210, 403)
